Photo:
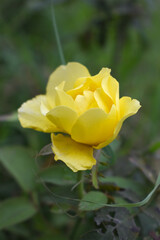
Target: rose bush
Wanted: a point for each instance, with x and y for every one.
(82, 113)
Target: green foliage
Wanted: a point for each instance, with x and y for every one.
(154, 147)
(92, 201)
(15, 210)
(19, 162)
(59, 175)
(108, 153)
(124, 183)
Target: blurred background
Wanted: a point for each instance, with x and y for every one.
(123, 35)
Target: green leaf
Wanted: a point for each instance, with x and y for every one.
(15, 210)
(92, 201)
(120, 200)
(19, 161)
(59, 175)
(123, 183)
(141, 203)
(109, 154)
(154, 147)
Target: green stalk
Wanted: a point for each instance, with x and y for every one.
(80, 187)
(94, 177)
(57, 35)
(95, 168)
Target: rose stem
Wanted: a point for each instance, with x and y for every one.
(94, 169)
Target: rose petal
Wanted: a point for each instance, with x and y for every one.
(94, 126)
(103, 100)
(90, 83)
(68, 73)
(62, 98)
(85, 102)
(128, 107)
(111, 88)
(75, 155)
(63, 117)
(31, 115)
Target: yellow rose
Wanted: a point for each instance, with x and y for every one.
(85, 111)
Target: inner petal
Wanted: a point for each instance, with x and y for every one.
(63, 99)
(103, 100)
(89, 83)
(85, 102)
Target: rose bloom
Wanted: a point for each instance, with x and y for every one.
(82, 113)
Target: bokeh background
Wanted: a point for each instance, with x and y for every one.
(123, 35)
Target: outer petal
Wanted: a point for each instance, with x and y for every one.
(63, 117)
(44, 106)
(94, 126)
(76, 156)
(68, 73)
(128, 107)
(31, 116)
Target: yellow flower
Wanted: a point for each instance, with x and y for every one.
(85, 111)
